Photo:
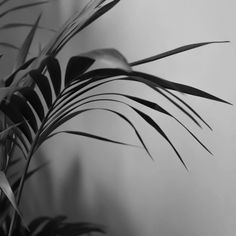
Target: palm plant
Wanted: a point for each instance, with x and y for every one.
(37, 99)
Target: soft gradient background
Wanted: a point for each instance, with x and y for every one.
(121, 187)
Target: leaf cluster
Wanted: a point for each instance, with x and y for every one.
(37, 98)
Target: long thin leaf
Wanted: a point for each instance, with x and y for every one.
(76, 23)
(54, 71)
(146, 103)
(21, 7)
(9, 45)
(173, 52)
(23, 25)
(70, 114)
(21, 103)
(150, 121)
(88, 135)
(6, 188)
(21, 57)
(43, 84)
(32, 97)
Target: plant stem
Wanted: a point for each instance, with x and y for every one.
(33, 148)
(21, 185)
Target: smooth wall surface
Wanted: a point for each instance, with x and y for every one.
(121, 187)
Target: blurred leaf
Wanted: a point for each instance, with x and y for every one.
(6, 188)
(58, 227)
(109, 57)
(21, 7)
(17, 118)
(9, 45)
(77, 22)
(20, 25)
(21, 57)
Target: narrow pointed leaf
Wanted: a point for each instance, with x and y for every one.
(173, 52)
(21, 7)
(150, 121)
(9, 45)
(43, 85)
(88, 135)
(24, 50)
(70, 114)
(34, 100)
(20, 25)
(10, 78)
(16, 117)
(197, 92)
(23, 107)
(6, 188)
(54, 71)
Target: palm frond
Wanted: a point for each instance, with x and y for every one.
(37, 111)
(64, 99)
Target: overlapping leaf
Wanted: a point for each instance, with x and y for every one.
(65, 101)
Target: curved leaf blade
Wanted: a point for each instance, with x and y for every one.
(6, 188)
(43, 85)
(32, 97)
(173, 52)
(23, 52)
(89, 135)
(54, 71)
(76, 66)
(150, 121)
(25, 110)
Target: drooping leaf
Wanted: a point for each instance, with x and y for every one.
(21, 103)
(71, 114)
(43, 84)
(144, 102)
(32, 97)
(88, 135)
(9, 45)
(150, 121)
(22, 25)
(146, 79)
(54, 71)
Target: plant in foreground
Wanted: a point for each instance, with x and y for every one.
(36, 99)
